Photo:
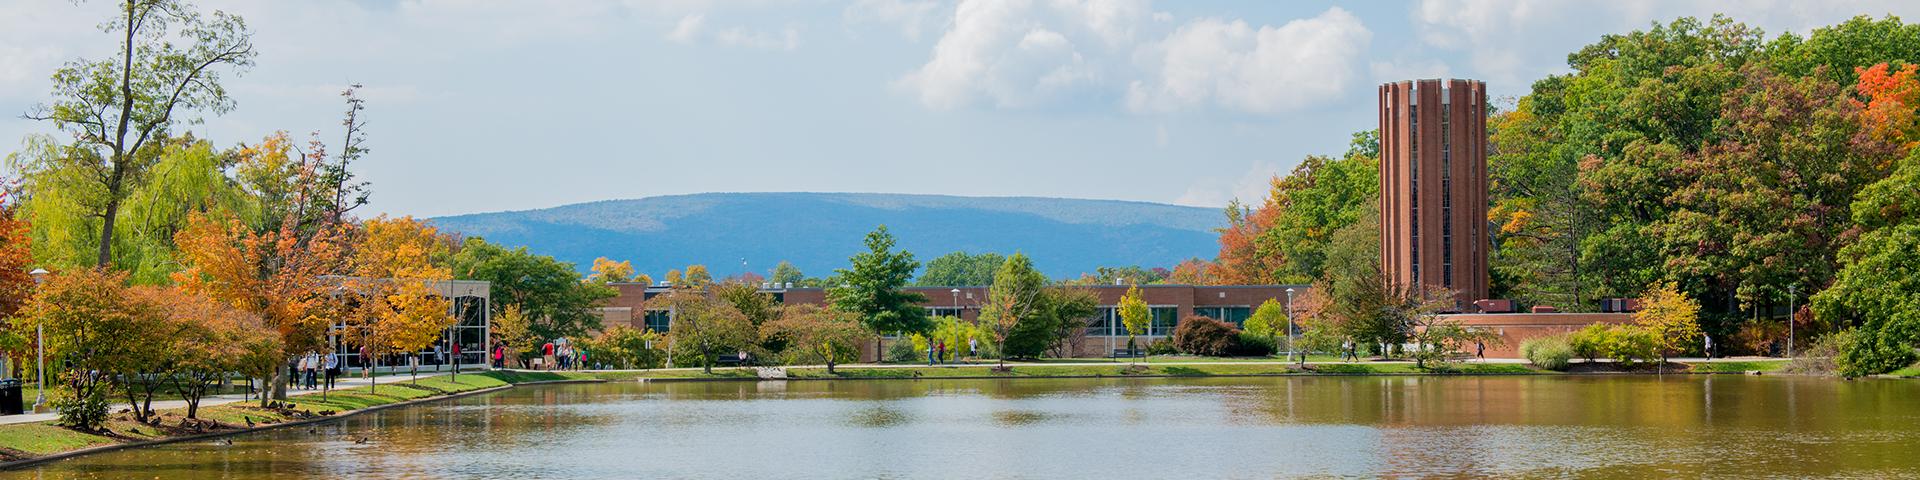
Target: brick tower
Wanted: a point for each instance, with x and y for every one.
(1433, 185)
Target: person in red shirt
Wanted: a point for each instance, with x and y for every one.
(546, 360)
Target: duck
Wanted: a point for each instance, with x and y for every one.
(361, 440)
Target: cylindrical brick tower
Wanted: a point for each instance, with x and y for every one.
(1433, 185)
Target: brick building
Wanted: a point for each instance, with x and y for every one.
(1169, 304)
(1433, 185)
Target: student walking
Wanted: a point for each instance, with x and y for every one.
(943, 351)
(332, 365)
(1480, 349)
(312, 367)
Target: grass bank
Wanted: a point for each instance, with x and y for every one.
(1163, 368)
(28, 441)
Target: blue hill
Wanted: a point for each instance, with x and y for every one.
(819, 231)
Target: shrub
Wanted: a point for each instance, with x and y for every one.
(1161, 347)
(86, 413)
(1249, 344)
(1870, 353)
(902, 350)
(1551, 352)
(1821, 357)
(1589, 343)
(1629, 344)
(1760, 337)
(1197, 335)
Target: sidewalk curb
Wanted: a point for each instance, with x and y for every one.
(16, 464)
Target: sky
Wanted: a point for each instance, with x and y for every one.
(489, 105)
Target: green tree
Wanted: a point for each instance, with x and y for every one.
(871, 288)
(114, 107)
(1877, 290)
(709, 327)
(1134, 314)
(548, 291)
(758, 306)
(1268, 320)
(960, 269)
(786, 273)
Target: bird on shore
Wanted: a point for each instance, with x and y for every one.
(360, 441)
(249, 421)
(227, 441)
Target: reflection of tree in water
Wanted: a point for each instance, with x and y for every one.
(878, 416)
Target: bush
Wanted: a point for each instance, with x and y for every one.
(902, 350)
(82, 413)
(1872, 353)
(1551, 352)
(1589, 343)
(1821, 357)
(1161, 347)
(1630, 344)
(1197, 335)
(1249, 344)
(1760, 337)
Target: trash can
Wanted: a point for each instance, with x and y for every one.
(10, 400)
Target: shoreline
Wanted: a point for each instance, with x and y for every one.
(121, 444)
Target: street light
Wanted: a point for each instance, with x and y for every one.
(40, 344)
(1791, 289)
(1292, 346)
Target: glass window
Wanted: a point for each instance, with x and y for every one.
(1164, 319)
(659, 320)
(1102, 324)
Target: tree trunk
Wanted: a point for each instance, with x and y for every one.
(106, 224)
(280, 374)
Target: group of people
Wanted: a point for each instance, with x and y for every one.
(314, 369)
(562, 355)
(937, 350)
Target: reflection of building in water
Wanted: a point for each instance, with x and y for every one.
(469, 302)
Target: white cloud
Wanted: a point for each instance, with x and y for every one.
(1407, 69)
(1016, 53)
(1251, 188)
(1267, 70)
(787, 39)
(912, 16)
(687, 28)
(1032, 53)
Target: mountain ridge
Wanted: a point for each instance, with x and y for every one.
(818, 231)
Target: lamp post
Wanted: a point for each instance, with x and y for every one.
(1791, 289)
(40, 345)
(956, 303)
(1292, 346)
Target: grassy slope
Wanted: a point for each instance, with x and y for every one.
(36, 439)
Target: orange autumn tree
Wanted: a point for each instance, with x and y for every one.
(1242, 260)
(400, 310)
(1891, 98)
(16, 286)
(205, 340)
(280, 276)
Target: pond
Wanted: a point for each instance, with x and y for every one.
(1494, 426)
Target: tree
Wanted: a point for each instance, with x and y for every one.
(960, 269)
(1436, 337)
(1268, 320)
(16, 285)
(697, 276)
(1877, 291)
(281, 276)
(609, 271)
(1134, 314)
(114, 107)
(511, 330)
(399, 308)
(710, 327)
(548, 291)
(1286, 238)
(95, 331)
(205, 340)
(1670, 316)
(1068, 310)
(623, 346)
(758, 306)
(818, 334)
(1015, 297)
(785, 273)
(871, 289)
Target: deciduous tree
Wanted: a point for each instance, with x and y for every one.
(818, 334)
(871, 288)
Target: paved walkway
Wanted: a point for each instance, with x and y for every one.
(349, 381)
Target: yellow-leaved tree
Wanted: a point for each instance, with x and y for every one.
(1134, 315)
(400, 309)
(608, 271)
(1671, 316)
(513, 331)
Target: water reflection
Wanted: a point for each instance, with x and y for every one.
(1618, 426)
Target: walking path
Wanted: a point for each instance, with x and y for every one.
(388, 375)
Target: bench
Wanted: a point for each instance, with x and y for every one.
(730, 359)
(1125, 353)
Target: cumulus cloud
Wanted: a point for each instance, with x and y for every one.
(786, 39)
(1267, 70)
(1023, 53)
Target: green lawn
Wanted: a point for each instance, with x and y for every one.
(1910, 372)
(1739, 367)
